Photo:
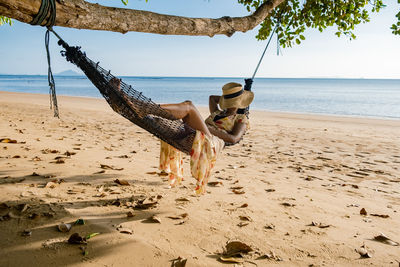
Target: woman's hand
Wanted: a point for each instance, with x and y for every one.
(237, 133)
(213, 103)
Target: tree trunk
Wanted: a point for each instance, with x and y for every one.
(83, 15)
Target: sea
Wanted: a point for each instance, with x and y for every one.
(377, 98)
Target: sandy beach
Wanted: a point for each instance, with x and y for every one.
(299, 190)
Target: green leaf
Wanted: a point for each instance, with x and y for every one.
(91, 235)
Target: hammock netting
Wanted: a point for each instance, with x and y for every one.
(131, 104)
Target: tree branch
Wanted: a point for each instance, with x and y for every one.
(80, 14)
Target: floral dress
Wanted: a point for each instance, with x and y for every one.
(203, 155)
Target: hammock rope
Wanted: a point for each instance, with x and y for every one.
(48, 10)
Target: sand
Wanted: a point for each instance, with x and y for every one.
(304, 179)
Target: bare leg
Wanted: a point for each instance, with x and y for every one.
(189, 114)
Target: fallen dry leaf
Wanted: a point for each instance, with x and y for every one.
(245, 218)
(241, 224)
(69, 154)
(121, 182)
(245, 205)
(270, 190)
(363, 212)
(270, 226)
(8, 140)
(75, 238)
(238, 192)
(64, 227)
(233, 248)
(152, 173)
(319, 225)
(178, 217)
(107, 167)
(59, 161)
(182, 199)
(380, 215)
(125, 231)
(178, 262)
(386, 240)
(236, 187)
(363, 252)
(130, 214)
(214, 184)
(50, 185)
(286, 204)
(48, 151)
(231, 259)
(145, 206)
(153, 219)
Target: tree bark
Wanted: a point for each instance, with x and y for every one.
(80, 14)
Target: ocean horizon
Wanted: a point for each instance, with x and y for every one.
(363, 97)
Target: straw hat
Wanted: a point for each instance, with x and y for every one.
(233, 96)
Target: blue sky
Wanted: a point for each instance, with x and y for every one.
(374, 54)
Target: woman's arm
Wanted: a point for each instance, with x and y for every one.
(213, 103)
(238, 131)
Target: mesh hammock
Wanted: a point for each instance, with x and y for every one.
(131, 104)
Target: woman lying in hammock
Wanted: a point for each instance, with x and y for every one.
(222, 126)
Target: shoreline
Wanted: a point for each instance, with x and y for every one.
(201, 107)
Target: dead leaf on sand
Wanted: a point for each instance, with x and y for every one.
(99, 172)
(121, 182)
(238, 192)
(182, 199)
(75, 238)
(49, 151)
(234, 248)
(130, 214)
(50, 185)
(107, 167)
(269, 190)
(386, 240)
(178, 217)
(245, 218)
(245, 205)
(380, 215)
(64, 227)
(269, 226)
(363, 252)
(319, 225)
(59, 161)
(363, 212)
(125, 231)
(153, 219)
(178, 262)
(151, 173)
(8, 140)
(145, 206)
(286, 204)
(26, 233)
(214, 184)
(236, 187)
(241, 224)
(231, 259)
(69, 154)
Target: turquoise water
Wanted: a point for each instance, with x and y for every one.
(352, 97)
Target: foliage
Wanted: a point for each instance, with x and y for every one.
(5, 20)
(293, 17)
